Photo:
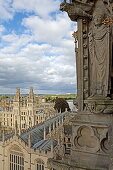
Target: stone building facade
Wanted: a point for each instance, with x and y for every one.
(31, 149)
(25, 112)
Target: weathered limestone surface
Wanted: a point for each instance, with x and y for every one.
(92, 127)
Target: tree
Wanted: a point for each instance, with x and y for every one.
(61, 105)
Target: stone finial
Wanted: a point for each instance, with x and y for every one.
(50, 130)
(44, 133)
(52, 147)
(19, 129)
(29, 140)
(16, 127)
(3, 136)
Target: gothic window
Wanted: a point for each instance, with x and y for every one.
(23, 126)
(16, 160)
(40, 165)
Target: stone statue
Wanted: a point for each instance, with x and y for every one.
(94, 53)
(99, 58)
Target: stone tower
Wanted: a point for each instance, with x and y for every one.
(31, 106)
(16, 110)
(31, 95)
(17, 95)
(92, 127)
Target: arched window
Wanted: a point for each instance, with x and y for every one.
(16, 159)
(39, 164)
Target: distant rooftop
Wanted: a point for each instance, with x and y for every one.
(36, 134)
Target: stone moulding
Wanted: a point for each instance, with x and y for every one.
(98, 105)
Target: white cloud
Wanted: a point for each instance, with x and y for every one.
(2, 28)
(30, 67)
(15, 42)
(42, 8)
(49, 30)
(6, 11)
(43, 59)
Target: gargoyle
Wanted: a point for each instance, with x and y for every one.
(74, 10)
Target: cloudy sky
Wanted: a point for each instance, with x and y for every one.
(36, 47)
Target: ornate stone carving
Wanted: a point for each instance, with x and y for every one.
(108, 21)
(98, 104)
(75, 34)
(76, 10)
(86, 139)
(104, 144)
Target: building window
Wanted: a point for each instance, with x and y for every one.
(39, 165)
(16, 161)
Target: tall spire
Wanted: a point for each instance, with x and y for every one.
(17, 96)
(31, 94)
